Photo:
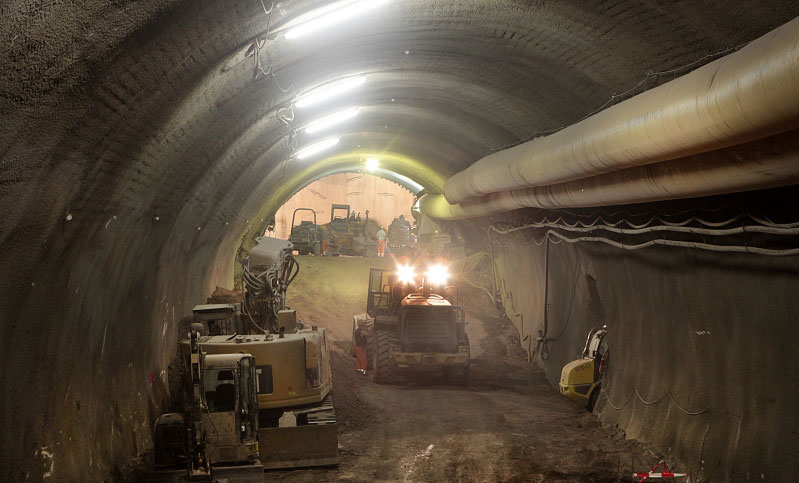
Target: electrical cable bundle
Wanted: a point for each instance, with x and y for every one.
(657, 227)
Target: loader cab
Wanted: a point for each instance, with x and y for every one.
(385, 294)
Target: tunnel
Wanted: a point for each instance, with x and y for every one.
(628, 163)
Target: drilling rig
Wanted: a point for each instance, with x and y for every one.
(295, 423)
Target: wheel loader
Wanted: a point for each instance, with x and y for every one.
(581, 380)
(411, 327)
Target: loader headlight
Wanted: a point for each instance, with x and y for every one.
(406, 274)
(437, 275)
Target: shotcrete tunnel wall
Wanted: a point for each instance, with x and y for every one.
(143, 122)
(690, 332)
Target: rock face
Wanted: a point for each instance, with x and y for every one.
(138, 150)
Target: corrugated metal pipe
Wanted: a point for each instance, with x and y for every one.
(728, 126)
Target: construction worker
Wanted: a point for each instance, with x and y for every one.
(381, 242)
(324, 236)
(360, 347)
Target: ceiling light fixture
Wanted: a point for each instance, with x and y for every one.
(329, 90)
(372, 164)
(331, 120)
(317, 147)
(325, 17)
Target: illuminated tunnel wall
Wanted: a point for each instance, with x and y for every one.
(143, 143)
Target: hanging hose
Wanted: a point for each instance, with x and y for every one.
(265, 292)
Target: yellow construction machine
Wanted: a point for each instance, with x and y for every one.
(215, 436)
(297, 422)
(581, 380)
(349, 235)
(291, 377)
(412, 324)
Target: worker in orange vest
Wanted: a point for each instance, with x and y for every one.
(381, 242)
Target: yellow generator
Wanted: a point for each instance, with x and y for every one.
(581, 380)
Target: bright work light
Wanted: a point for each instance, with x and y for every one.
(329, 90)
(437, 275)
(331, 120)
(372, 164)
(406, 274)
(316, 148)
(330, 15)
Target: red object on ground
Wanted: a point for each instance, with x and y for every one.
(655, 474)
(360, 354)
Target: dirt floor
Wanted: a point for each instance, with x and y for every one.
(509, 424)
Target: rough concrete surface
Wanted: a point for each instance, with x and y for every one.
(137, 150)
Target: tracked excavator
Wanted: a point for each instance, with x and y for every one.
(290, 364)
(412, 324)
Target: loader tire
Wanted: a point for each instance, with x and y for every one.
(370, 353)
(385, 369)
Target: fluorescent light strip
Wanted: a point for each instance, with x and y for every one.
(331, 120)
(330, 90)
(323, 19)
(317, 148)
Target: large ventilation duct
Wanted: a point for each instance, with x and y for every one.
(767, 163)
(746, 96)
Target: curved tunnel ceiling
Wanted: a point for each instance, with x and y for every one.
(138, 147)
(168, 100)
